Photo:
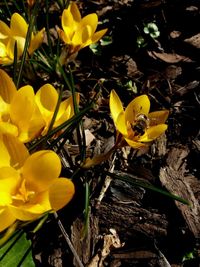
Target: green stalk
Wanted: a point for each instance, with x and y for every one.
(87, 209)
(56, 111)
(27, 42)
(67, 123)
(15, 63)
(7, 7)
(47, 29)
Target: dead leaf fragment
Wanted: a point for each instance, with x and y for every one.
(109, 241)
(194, 40)
(169, 57)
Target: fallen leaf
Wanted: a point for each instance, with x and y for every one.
(169, 57)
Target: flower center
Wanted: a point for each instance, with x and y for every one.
(140, 125)
(23, 195)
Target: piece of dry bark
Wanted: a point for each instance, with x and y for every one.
(84, 243)
(179, 182)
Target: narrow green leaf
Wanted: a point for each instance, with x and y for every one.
(17, 252)
(142, 183)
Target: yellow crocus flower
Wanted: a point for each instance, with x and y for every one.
(135, 124)
(46, 100)
(16, 33)
(27, 115)
(19, 114)
(30, 184)
(79, 32)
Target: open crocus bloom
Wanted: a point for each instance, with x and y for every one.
(19, 114)
(135, 123)
(79, 32)
(16, 33)
(46, 99)
(30, 184)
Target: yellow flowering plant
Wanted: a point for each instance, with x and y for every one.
(136, 125)
(27, 115)
(79, 32)
(19, 114)
(46, 99)
(16, 33)
(30, 184)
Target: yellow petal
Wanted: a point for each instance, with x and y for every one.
(4, 30)
(36, 41)
(46, 99)
(91, 20)
(27, 212)
(3, 52)
(12, 153)
(10, 49)
(6, 219)
(34, 129)
(5, 198)
(158, 117)
(8, 128)
(41, 169)
(121, 124)
(75, 11)
(139, 105)
(98, 35)
(60, 193)
(68, 23)
(115, 105)
(22, 107)
(9, 180)
(66, 110)
(18, 25)
(7, 87)
(153, 133)
(134, 144)
(64, 36)
(20, 45)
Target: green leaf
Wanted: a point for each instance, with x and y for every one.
(17, 252)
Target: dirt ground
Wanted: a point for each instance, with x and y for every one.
(130, 225)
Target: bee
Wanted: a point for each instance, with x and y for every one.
(140, 124)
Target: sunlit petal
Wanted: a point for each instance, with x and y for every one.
(98, 35)
(67, 22)
(158, 117)
(9, 180)
(22, 107)
(116, 106)
(41, 169)
(27, 212)
(46, 99)
(8, 128)
(6, 219)
(75, 11)
(121, 124)
(60, 193)
(18, 25)
(36, 41)
(139, 105)
(12, 153)
(153, 133)
(134, 144)
(7, 87)
(91, 20)
(4, 30)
